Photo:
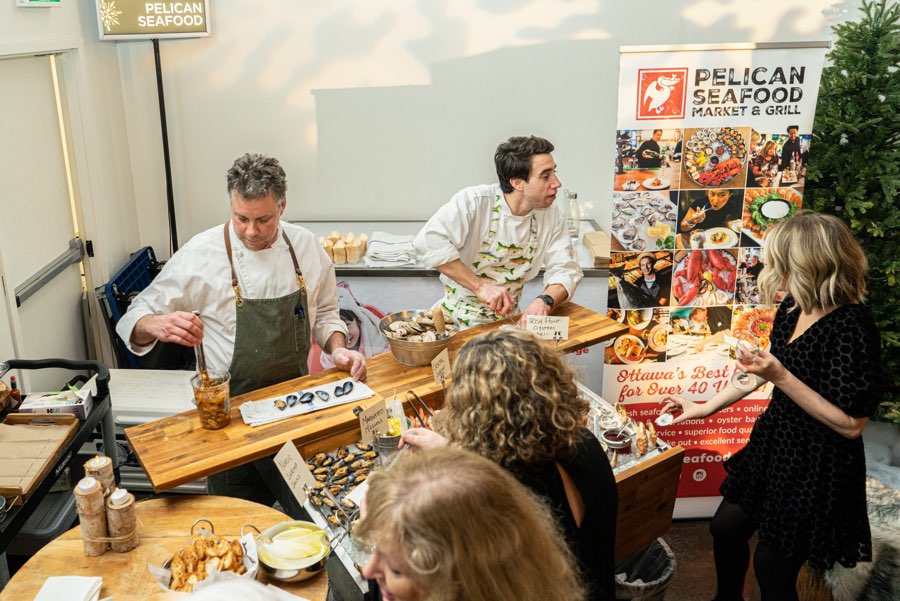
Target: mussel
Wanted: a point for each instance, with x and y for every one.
(343, 389)
(323, 395)
(363, 446)
(291, 399)
(280, 404)
(306, 397)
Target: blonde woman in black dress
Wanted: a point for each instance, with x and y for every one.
(800, 480)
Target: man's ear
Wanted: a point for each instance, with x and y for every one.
(283, 206)
(517, 183)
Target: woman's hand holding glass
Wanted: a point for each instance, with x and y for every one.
(746, 351)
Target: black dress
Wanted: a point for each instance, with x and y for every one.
(594, 542)
(801, 482)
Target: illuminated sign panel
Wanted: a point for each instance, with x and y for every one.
(130, 19)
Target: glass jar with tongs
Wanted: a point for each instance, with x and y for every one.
(211, 392)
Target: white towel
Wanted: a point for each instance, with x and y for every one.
(388, 250)
(70, 588)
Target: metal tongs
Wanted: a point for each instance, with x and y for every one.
(201, 358)
(412, 396)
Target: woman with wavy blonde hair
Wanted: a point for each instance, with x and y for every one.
(800, 480)
(515, 402)
(448, 525)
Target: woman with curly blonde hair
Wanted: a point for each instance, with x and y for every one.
(800, 480)
(448, 525)
(515, 402)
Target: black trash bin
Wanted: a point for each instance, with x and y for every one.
(645, 575)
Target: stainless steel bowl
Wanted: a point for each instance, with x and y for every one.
(413, 353)
(316, 564)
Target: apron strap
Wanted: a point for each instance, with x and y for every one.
(301, 281)
(234, 281)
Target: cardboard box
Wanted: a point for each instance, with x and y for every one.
(77, 402)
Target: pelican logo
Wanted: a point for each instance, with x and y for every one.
(661, 93)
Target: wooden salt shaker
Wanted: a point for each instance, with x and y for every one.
(92, 515)
(122, 520)
(101, 468)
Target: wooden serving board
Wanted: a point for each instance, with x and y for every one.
(32, 443)
(176, 450)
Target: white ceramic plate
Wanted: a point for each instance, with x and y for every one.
(645, 315)
(662, 185)
(634, 339)
(730, 238)
(652, 338)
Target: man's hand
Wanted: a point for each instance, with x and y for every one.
(179, 327)
(352, 361)
(497, 298)
(537, 307)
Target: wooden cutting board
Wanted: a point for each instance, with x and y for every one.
(31, 443)
(176, 450)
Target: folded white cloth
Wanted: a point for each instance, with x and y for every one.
(389, 250)
(257, 413)
(70, 588)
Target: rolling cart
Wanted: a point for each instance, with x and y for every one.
(100, 415)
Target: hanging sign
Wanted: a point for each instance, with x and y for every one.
(134, 20)
(712, 145)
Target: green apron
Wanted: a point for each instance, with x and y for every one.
(265, 353)
(500, 262)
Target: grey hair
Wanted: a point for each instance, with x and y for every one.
(254, 175)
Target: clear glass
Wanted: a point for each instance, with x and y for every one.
(746, 350)
(213, 399)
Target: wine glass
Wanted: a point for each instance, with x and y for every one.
(746, 349)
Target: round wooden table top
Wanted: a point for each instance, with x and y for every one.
(165, 526)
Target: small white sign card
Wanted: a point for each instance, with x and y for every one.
(440, 365)
(294, 471)
(548, 327)
(373, 420)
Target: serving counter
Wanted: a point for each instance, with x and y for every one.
(176, 450)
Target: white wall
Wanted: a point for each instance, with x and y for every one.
(383, 109)
(99, 141)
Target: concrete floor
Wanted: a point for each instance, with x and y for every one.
(695, 572)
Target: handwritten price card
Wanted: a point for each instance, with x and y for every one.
(294, 471)
(548, 327)
(441, 367)
(373, 420)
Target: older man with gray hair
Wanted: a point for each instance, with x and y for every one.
(261, 286)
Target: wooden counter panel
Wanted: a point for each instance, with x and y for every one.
(646, 501)
(176, 449)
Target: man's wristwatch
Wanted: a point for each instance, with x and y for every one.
(548, 300)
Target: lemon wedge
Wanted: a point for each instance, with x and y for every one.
(393, 426)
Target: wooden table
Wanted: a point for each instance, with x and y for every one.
(176, 450)
(165, 526)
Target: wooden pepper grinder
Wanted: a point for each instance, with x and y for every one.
(122, 520)
(92, 515)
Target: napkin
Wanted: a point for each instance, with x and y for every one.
(388, 250)
(70, 588)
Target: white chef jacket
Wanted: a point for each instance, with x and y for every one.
(458, 228)
(198, 277)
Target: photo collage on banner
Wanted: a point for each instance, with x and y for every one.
(692, 199)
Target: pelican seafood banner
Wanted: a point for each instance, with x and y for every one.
(712, 146)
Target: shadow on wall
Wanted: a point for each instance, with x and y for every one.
(385, 110)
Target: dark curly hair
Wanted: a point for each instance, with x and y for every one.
(513, 400)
